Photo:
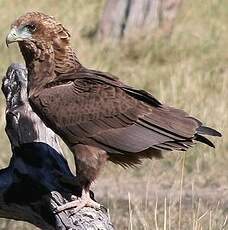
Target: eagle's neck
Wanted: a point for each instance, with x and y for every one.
(66, 61)
(45, 63)
(39, 62)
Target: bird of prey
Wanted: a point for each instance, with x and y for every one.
(97, 116)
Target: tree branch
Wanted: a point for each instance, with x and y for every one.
(35, 182)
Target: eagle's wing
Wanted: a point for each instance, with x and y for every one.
(98, 110)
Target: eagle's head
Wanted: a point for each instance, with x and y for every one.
(36, 32)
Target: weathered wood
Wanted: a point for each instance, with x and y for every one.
(34, 183)
(124, 18)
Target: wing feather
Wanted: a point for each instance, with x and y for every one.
(101, 111)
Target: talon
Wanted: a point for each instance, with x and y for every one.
(103, 209)
(73, 197)
(68, 205)
(79, 203)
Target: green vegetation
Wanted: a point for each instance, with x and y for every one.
(189, 71)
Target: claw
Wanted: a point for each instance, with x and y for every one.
(73, 197)
(79, 203)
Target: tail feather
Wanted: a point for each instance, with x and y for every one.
(204, 130)
(204, 140)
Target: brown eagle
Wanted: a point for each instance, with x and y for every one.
(95, 114)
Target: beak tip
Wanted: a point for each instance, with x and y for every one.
(11, 37)
(7, 41)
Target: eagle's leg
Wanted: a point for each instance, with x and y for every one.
(89, 160)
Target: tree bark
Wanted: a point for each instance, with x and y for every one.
(124, 18)
(35, 182)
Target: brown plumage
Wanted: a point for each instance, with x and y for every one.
(96, 115)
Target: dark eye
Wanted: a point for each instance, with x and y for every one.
(31, 27)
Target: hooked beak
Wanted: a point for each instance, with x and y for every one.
(13, 36)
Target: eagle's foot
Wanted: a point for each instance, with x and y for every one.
(79, 203)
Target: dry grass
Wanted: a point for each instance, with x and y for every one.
(190, 71)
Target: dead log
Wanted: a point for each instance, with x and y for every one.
(34, 183)
(124, 18)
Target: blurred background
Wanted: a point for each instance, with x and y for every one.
(177, 50)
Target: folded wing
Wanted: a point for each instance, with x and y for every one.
(101, 111)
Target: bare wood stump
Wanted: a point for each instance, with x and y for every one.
(124, 18)
(32, 186)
